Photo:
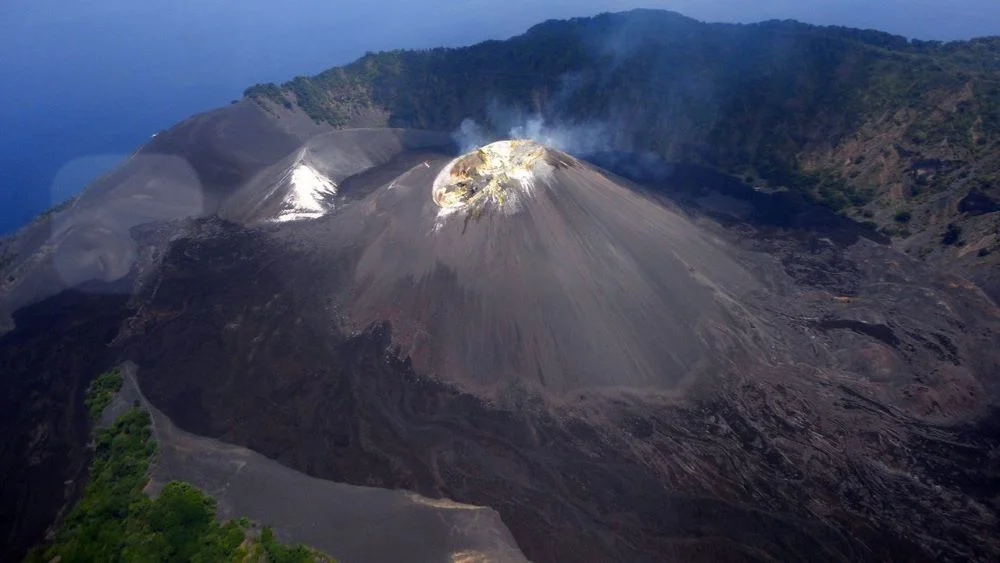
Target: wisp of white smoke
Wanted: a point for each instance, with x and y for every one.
(577, 139)
(470, 136)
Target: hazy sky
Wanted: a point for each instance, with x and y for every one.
(86, 81)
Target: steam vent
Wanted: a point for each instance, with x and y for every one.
(498, 173)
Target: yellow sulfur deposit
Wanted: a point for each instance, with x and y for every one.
(488, 174)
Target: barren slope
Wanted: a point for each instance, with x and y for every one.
(831, 400)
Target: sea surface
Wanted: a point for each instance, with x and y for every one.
(84, 83)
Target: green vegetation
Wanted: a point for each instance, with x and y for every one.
(277, 553)
(776, 100)
(116, 521)
(100, 392)
(268, 91)
(97, 528)
(985, 182)
(61, 206)
(952, 234)
(903, 216)
(894, 231)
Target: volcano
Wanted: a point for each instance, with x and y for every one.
(516, 264)
(608, 358)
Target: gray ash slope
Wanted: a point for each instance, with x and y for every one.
(185, 172)
(237, 162)
(698, 372)
(678, 368)
(66, 280)
(351, 522)
(574, 282)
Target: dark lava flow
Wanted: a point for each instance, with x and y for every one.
(840, 438)
(567, 485)
(46, 363)
(731, 475)
(830, 399)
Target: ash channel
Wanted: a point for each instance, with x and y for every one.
(351, 523)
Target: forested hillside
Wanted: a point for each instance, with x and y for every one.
(885, 129)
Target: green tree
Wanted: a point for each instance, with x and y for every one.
(100, 392)
(115, 521)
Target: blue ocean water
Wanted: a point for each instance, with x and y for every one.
(84, 83)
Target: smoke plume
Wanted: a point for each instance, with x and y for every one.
(576, 139)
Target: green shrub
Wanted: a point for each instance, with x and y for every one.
(277, 553)
(952, 234)
(116, 522)
(100, 392)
